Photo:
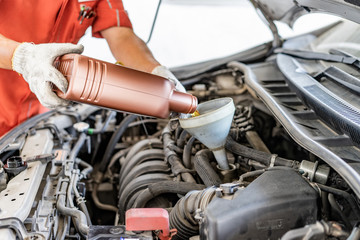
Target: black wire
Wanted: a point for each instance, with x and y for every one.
(154, 21)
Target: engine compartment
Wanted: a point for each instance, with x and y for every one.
(74, 173)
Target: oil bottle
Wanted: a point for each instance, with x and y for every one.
(112, 86)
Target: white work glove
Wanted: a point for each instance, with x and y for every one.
(35, 63)
(164, 72)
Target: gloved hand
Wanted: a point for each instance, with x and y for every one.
(163, 71)
(35, 63)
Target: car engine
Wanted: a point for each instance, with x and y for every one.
(291, 151)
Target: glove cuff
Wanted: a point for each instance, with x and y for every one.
(163, 71)
(20, 54)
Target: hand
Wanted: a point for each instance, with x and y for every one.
(35, 63)
(163, 71)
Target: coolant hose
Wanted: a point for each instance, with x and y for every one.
(87, 167)
(79, 217)
(204, 169)
(78, 145)
(159, 188)
(114, 140)
(265, 158)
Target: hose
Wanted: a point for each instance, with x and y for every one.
(251, 174)
(204, 169)
(110, 116)
(182, 215)
(79, 199)
(99, 204)
(262, 157)
(348, 197)
(73, 182)
(173, 159)
(114, 140)
(335, 207)
(78, 216)
(355, 233)
(78, 145)
(180, 141)
(136, 185)
(187, 152)
(87, 167)
(159, 188)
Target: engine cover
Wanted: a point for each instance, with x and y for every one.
(277, 201)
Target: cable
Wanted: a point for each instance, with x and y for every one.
(114, 140)
(154, 21)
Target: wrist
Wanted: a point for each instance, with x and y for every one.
(21, 51)
(7, 48)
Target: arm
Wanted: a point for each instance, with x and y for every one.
(7, 48)
(129, 49)
(35, 63)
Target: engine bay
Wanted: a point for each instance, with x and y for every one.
(81, 172)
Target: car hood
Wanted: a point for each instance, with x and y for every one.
(288, 11)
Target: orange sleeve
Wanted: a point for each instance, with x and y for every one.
(109, 13)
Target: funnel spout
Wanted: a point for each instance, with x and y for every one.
(212, 126)
(220, 156)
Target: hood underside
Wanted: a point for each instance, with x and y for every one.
(288, 11)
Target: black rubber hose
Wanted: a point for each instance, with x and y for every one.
(347, 196)
(180, 142)
(173, 159)
(335, 207)
(114, 140)
(262, 157)
(204, 169)
(159, 188)
(187, 152)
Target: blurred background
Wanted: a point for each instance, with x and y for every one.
(189, 31)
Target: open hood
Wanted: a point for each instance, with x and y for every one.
(288, 10)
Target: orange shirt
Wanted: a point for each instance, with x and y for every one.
(44, 21)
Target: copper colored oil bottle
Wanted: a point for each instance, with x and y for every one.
(112, 86)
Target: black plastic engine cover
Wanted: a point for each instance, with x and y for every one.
(277, 201)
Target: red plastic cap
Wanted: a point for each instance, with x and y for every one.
(148, 219)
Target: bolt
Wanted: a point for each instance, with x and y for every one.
(116, 230)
